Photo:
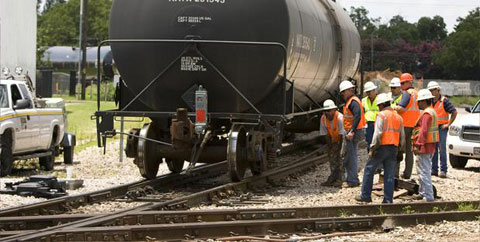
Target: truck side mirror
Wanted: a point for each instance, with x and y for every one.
(21, 104)
(468, 109)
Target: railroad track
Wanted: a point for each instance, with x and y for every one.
(60, 205)
(65, 204)
(282, 222)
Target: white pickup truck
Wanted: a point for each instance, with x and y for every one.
(463, 140)
(31, 127)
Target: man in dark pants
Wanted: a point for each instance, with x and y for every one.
(388, 137)
(408, 109)
(353, 123)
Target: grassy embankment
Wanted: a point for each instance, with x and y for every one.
(464, 100)
(80, 123)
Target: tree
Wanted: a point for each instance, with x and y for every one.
(50, 3)
(398, 29)
(59, 24)
(459, 56)
(363, 23)
(431, 29)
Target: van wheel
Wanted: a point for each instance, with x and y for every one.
(68, 155)
(6, 156)
(457, 161)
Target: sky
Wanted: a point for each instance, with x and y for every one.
(412, 10)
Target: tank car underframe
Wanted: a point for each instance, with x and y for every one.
(252, 137)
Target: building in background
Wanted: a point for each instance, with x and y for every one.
(18, 36)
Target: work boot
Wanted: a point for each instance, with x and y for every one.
(337, 183)
(434, 173)
(443, 175)
(328, 182)
(417, 197)
(358, 198)
(346, 185)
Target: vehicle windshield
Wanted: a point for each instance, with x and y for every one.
(3, 97)
(476, 109)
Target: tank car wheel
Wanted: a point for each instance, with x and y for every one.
(146, 159)
(237, 153)
(175, 166)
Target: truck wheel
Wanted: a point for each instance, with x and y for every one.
(68, 155)
(457, 161)
(6, 156)
(47, 162)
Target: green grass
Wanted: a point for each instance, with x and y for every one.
(466, 207)
(343, 213)
(79, 115)
(464, 100)
(408, 210)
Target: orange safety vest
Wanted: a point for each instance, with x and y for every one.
(348, 117)
(392, 123)
(332, 127)
(442, 115)
(412, 112)
(432, 135)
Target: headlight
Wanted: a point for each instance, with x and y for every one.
(454, 131)
(18, 70)
(5, 71)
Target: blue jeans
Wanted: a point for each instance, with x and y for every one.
(369, 133)
(424, 169)
(350, 163)
(442, 145)
(386, 155)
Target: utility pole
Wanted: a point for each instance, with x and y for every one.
(371, 51)
(82, 57)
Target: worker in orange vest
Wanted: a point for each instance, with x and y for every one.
(388, 136)
(354, 123)
(408, 109)
(443, 109)
(331, 128)
(424, 139)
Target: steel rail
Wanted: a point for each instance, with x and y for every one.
(195, 199)
(65, 204)
(192, 231)
(214, 215)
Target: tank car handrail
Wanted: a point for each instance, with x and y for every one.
(228, 42)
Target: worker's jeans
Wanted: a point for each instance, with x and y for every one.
(350, 163)
(369, 133)
(424, 169)
(442, 148)
(408, 153)
(386, 155)
(335, 161)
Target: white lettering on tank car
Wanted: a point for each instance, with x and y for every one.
(190, 63)
(197, 1)
(193, 19)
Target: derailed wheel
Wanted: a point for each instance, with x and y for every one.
(147, 159)
(237, 153)
(175, 166)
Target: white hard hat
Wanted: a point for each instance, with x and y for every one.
(433, 85)
(329, 104)
(424, 94)
(383, 98)
(369, 86)
(395, 82)
(344, 85)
